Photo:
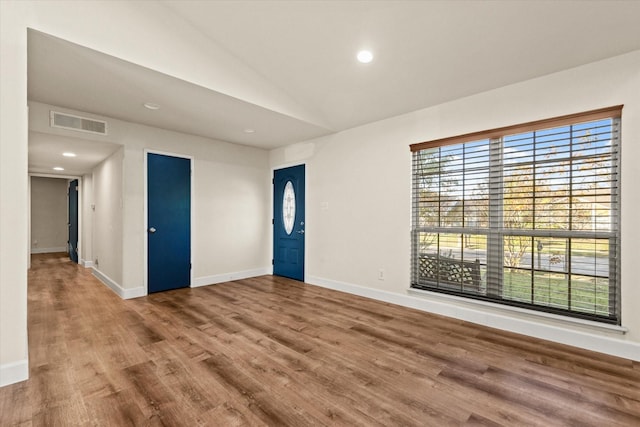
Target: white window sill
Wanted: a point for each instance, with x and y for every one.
(557, 319)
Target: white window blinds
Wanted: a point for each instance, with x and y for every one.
(525, 215)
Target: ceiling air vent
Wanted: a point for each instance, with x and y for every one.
(81, 124)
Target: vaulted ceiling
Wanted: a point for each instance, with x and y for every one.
(303, 52)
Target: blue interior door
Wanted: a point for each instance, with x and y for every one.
(288, 222)
(169, 222)
(72, 242)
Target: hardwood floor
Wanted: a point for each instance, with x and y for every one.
(272, 351)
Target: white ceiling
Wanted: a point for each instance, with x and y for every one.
(72, 76)
(426, 53)
(45, 152)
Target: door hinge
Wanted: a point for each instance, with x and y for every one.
(273, 180)
(273, 221)
(190, 266)
(272, 263)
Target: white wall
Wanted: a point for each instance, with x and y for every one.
(107, 218)
(14, 249)
(364, 175)
(231, 203)
(49, 219)
(229, 207)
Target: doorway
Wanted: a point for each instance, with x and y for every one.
(168, 222)
(289, 222)
(72, 242)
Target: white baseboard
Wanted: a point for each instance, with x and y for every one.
(48, 250)
(227, 277)
(119, 290)
(197, 282)
(586, 335)
(85, 263)
(138, 292)
(11, 373)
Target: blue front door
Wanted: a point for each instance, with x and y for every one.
(72, 242)
(288, 222)
(169, 222)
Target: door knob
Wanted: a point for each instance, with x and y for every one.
(300, 231)
(152, 230)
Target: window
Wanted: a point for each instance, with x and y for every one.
(288, 207)
(526, 215)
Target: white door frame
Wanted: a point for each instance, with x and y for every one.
(80, 204)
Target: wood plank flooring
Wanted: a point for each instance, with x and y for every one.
(276, 352)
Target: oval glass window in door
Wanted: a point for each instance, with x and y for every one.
(288, 207)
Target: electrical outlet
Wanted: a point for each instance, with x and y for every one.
(381, 274)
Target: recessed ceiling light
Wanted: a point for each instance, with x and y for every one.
(248, 130)
(58, 168)
(68, 154)
(365, 56)
(151, 106)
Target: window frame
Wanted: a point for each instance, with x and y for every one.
(497, 136)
